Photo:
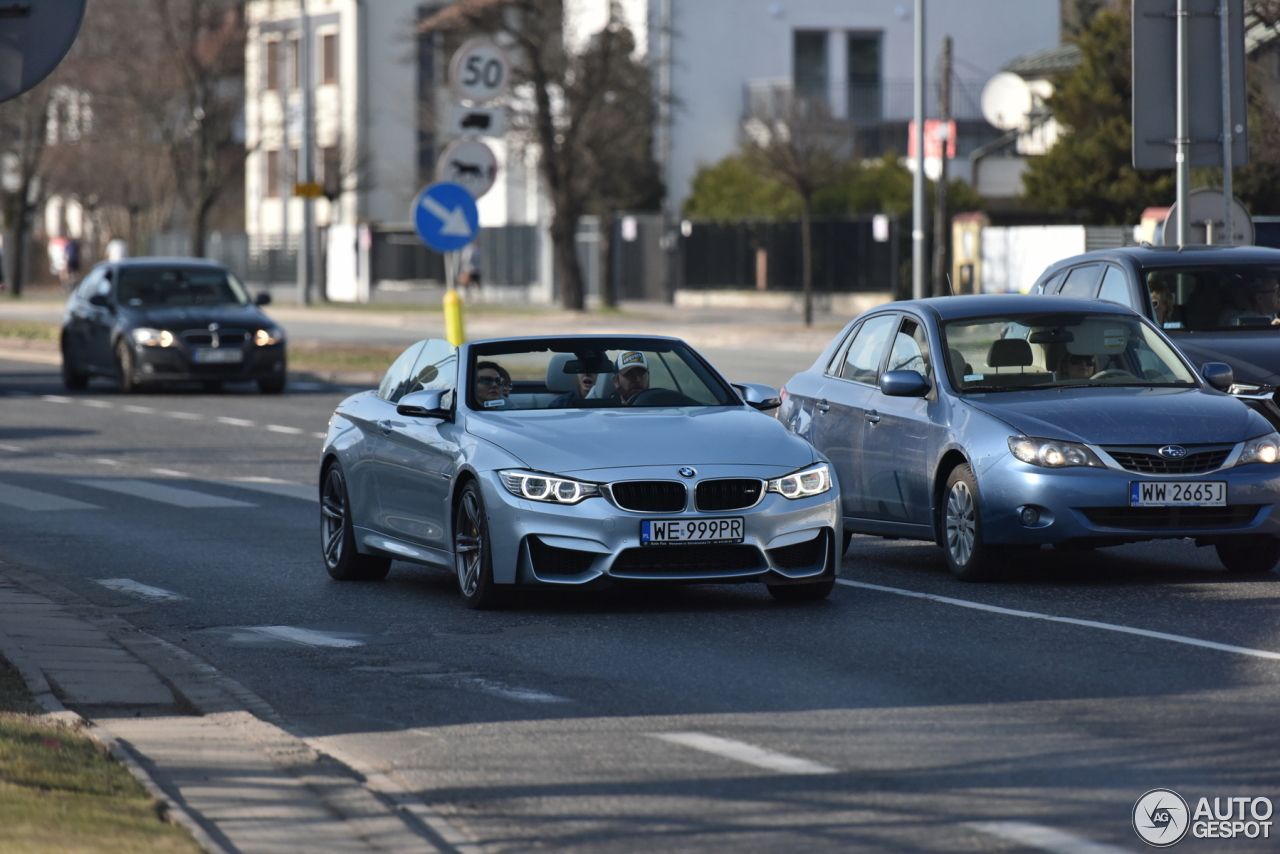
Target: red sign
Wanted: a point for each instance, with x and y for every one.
(934, 134)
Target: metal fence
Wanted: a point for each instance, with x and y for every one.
(509, 255)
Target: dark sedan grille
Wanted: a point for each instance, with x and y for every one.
(1146, 461)
(729, 494)
(650, 496)
(1157, 518)
(687, 560)
(800, 555)
(551, 560)
(225, 337)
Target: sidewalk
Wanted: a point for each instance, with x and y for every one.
(226, 766)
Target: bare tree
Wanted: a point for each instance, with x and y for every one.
(24, 127)
(801, 146)
(571, 116)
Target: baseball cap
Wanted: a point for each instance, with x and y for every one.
(631, 359)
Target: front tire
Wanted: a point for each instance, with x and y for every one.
(72, 380)
(337, 535)
(968, 557)
(473, 554)
(1249, 555)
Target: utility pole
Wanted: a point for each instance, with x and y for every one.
(941, 234)
(307, 156)
(917, 179)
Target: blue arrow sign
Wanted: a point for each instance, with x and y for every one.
(445, 217)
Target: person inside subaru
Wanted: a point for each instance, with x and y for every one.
(1074, 366)
(632, 376)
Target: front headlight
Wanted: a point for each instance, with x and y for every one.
(148, 337)
(814, 480)
(1052, 454)
(537, 486)
(269, 336)
(1264, 449)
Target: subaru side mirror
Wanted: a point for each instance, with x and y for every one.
(263, 298)
(1219, 375)
(904, 384)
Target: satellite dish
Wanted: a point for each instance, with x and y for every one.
(1207, 207)
(1006, 101)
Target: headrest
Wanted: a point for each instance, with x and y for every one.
(959, 366)
(557, 379)
(1010, 353)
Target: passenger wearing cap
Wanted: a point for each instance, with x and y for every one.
(632, 375)
(1262, 296)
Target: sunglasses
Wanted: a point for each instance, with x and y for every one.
(1081, 360)
(489, 382)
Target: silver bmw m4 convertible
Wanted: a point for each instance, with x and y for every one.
(574, 461)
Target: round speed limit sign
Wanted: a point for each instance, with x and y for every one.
(479, 71)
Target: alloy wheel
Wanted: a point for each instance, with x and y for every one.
(960, 527)
(468, 545)
(333, 510)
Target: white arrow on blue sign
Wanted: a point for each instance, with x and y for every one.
(445, 217)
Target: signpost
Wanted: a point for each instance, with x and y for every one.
(470, 163)
(446, 219)
(479, 71)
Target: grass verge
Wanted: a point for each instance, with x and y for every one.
(61, 793)
(29, 330)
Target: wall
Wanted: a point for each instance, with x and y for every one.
(1013, 257)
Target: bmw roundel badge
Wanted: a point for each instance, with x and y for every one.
(1172, 452)
(687, 472)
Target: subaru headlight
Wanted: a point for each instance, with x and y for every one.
(537, 486)
(814, 480)
(148, 337)
(1264, 449)
(268, 336)
(1051, 453)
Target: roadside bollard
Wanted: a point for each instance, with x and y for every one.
(453, 317)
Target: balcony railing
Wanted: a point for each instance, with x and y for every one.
(889, 100)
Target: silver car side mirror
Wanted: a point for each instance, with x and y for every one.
(1219, 375)
(759, 396)
(425, 404)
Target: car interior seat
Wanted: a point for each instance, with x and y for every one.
(959, 366)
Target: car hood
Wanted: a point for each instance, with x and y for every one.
(1254, 356)
(1125, 416)
(568, 440)
(196, 317)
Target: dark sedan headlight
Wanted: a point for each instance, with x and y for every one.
(537, 486)
(1051, 453)
(148, 337)
(814, 480)
(1264, 449)
(267, 336)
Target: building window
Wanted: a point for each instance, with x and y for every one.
(810, 69)
(273, 175)
(864, 78)
(295, 62)
(329, 58)
(273, 65)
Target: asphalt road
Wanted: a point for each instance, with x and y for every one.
(908, 712)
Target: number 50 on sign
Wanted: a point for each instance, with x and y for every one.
(479, 71)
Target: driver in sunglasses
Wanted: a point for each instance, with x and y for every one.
(492, 385)
(1077, 366)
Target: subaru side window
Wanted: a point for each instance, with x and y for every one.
(1115, 286)
(910, 349)
(833, 369)
(1082, 282)
(862, 362)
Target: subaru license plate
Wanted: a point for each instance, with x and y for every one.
(1178, 493)
(654, 532)
(218, 357)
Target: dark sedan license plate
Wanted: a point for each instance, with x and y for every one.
(1178, 493)
(654, 532)
(218, 357)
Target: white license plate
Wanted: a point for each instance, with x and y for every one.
(655, 532)
(218, 357)
(1178, 493)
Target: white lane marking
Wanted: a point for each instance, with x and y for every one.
(740, 751)
(185, 416)
(524, 695)
(1089, 624)
(272, 486)
(98, 404)
(13, 448)
(279, 428)
(320, 435)
(128, 585)
(29, 499)
(56, 398)
(307, 637)
(237, 422)
(170, 473)
(105, 462)
(1044, 838)
(141, 410)
(164, 494)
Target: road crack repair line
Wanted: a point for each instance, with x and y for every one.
(1071, 621)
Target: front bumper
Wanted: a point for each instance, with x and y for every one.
(1091, 505)
(177, 363)
(784, 540)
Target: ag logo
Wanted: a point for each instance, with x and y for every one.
(1160, 817)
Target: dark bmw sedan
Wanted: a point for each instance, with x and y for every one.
(145, 321)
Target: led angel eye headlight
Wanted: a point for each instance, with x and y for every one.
(1264, 449)
(814, 480)
(148, 337)
(536, 486)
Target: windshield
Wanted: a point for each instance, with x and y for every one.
(142, 286)
(1059, 350)
(599, 373)
(1234, 296)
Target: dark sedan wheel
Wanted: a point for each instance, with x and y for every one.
(337, 538)
(473, 555)
(72, 379)
(968, 557)
(125, 365)
(1249, 554)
